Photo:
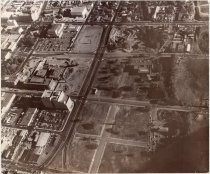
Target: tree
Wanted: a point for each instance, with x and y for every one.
(203, 42)
(67, 13)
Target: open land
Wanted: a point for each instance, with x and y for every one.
(88, 39)
(93, 117)
(186, 83)
(131, 77)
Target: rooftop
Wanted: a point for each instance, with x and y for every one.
(6, 98)
(43, 138)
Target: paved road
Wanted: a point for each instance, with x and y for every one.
(128, 142)
(102, 145)
(70, 127)
(141, 104)
(194, 23)
(119, 101)
(22, 91)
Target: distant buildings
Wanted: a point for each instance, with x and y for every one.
(10, 42)
(22, 11)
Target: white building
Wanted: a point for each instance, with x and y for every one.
(12, 23)
(57, 99)
(43, 138)
(6, 101)
(56, 30)
(79, 12)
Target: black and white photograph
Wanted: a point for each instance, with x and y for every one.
(103, 86)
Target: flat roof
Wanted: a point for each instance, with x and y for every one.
(6, 98)
(28, 115)
(37, 80)
(47, 93)
(78, 9)
(43, 138)
(41, 72)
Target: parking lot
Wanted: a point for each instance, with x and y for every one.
(88, 39)
(51, 120)
(63, 44)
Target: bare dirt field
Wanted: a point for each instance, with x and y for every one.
(88, 39)
(122, 159)
(93, 118)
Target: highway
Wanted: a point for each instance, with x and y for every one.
(70, 126)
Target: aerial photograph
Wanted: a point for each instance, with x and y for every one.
(103, 86)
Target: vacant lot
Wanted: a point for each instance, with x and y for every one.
(93, 118)
(76, 157)
(122, 159)
(200, 44)
(128, 77)
(80, 154)
(88, 39)
(144, 39)
(186, 82)
(175, 120)
(190, 82)
(131, 123)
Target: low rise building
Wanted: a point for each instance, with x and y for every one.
(43, 138)
(12, 23)
(56, 30)
(28, 116)
(14, 30)
(79, 11)
(6, 101)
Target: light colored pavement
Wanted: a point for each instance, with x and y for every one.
(119, 101)
(104, 135)
(127, 142)
(87, 136)
(88, 39)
